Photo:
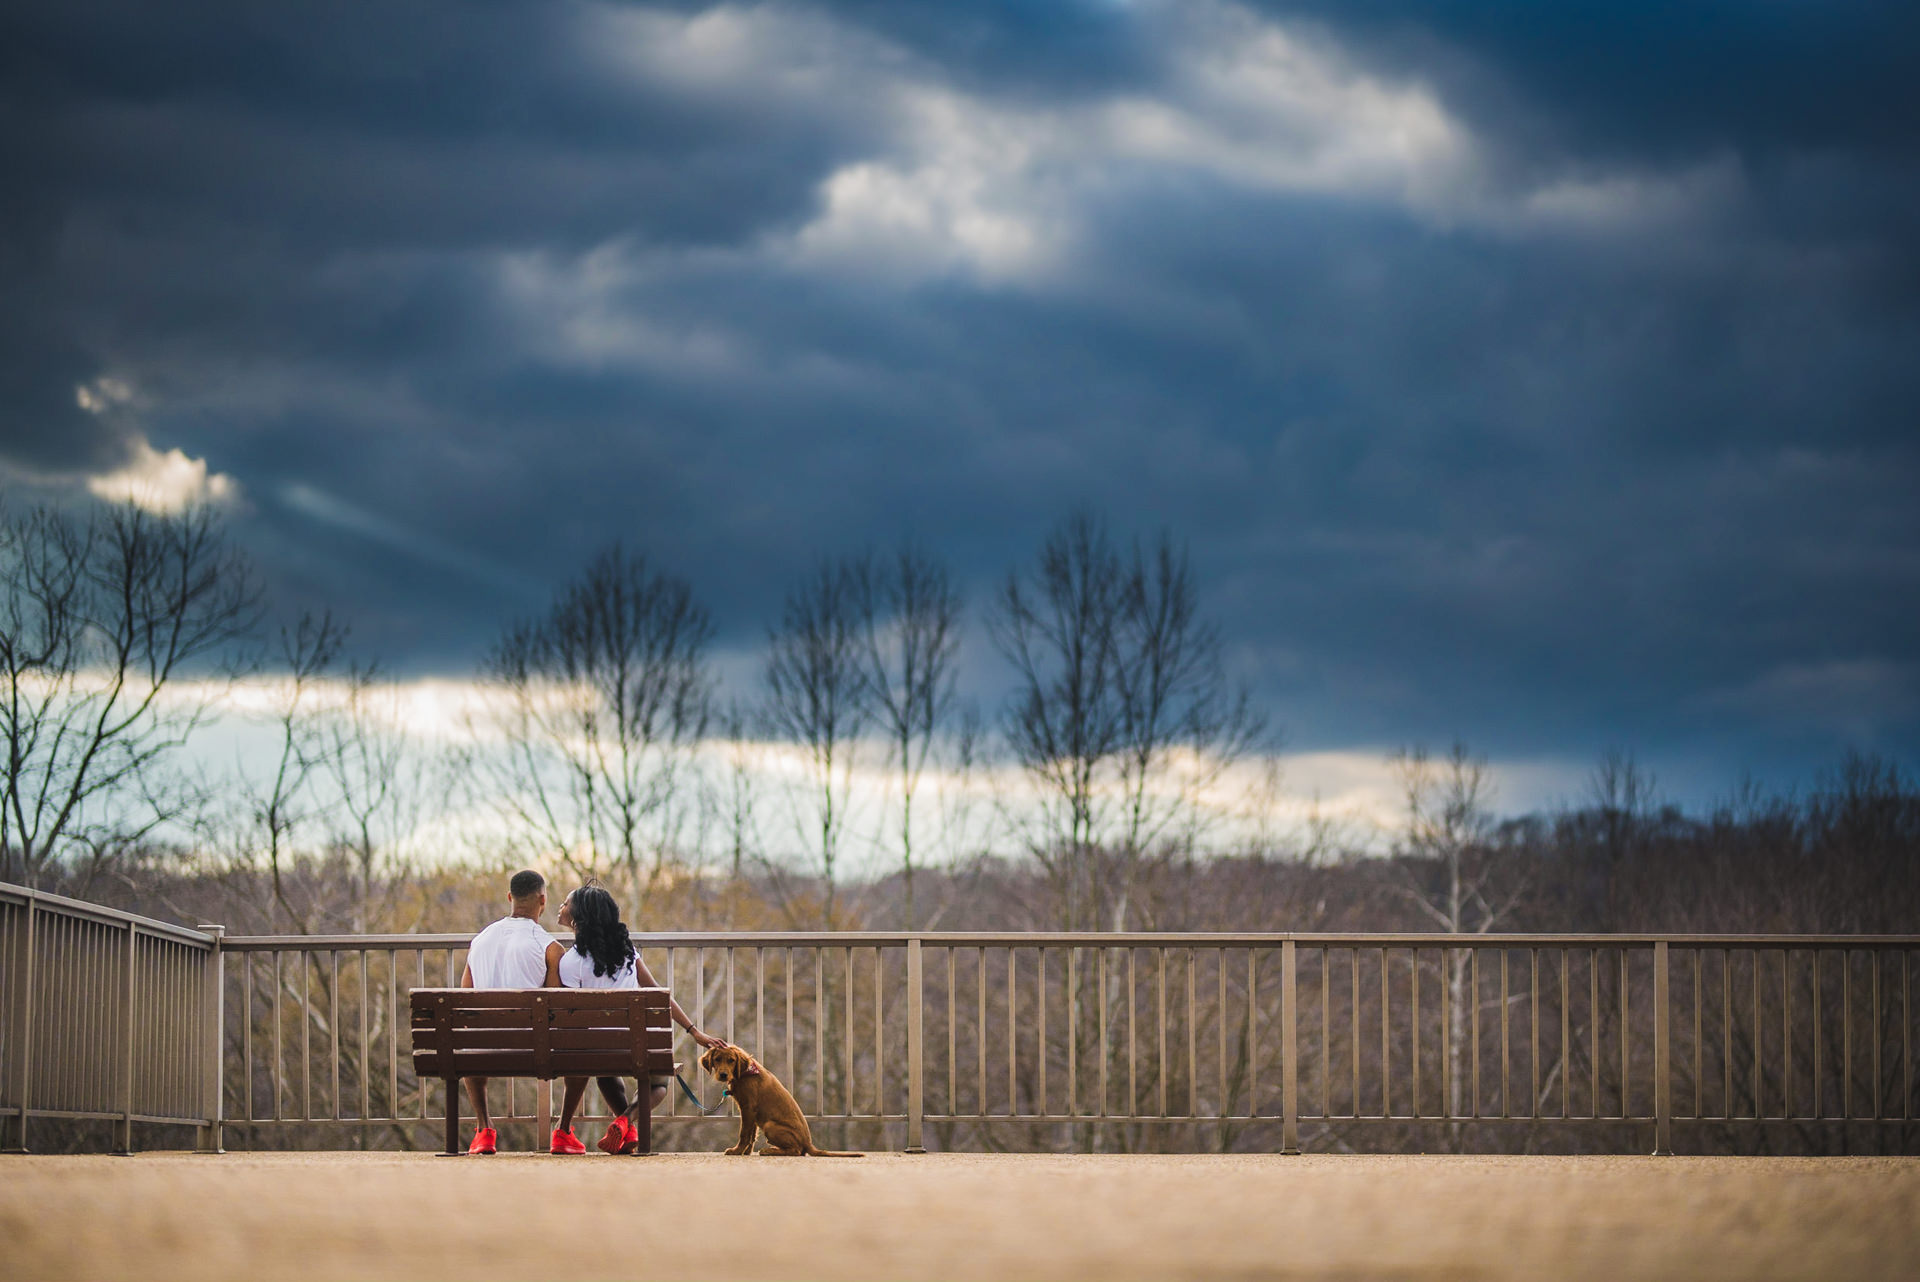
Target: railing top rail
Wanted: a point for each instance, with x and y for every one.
(1095, 939)
(45, 901)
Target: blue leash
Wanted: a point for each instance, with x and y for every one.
(695, 1099)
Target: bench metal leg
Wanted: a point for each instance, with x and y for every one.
(642, 1113)
(453, 1117)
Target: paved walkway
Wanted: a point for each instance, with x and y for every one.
(416, 1217)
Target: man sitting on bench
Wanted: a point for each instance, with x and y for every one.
(514, 952)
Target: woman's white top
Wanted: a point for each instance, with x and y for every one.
(576, 971)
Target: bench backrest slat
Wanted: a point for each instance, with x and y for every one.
(542, 1032)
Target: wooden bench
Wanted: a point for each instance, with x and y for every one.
(542, 1033)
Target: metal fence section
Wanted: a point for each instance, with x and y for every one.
(105, 1015)
(974, 1039)
(969, 1033)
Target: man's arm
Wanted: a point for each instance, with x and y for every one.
(645, 976)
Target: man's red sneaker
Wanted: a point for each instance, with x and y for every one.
(485, 1140)
(566, 1142)
(616, 1137)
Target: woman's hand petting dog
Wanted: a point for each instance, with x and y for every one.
(765, 1106)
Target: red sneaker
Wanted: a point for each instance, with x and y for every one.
(631, 1139)
(485, 1141)
(615, 1137)
(566, 1142)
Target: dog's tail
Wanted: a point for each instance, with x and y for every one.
(821, 1152)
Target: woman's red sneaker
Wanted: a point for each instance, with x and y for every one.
(566, 1142)
(616, 1136)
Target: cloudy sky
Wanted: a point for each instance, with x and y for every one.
(1539, 374)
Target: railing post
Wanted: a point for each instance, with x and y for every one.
(1289, 1051)
(23, 1027)
(125, 1125)
(1662, 1053)
(1663, 1106)
(916, 1099)
(213, 1016)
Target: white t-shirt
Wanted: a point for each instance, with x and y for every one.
(576, 971)
(511, 953)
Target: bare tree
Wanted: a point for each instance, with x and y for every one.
(910, 626)
(601, 703)
(1059, 628)
(1183, 723)
(102, 623)
(1448, 870)
(382, 782)
(816, 686)
(282, 803)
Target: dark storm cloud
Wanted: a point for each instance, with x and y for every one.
(1584, 417)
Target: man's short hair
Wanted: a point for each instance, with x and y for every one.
(526, 884)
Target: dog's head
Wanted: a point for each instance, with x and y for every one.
(728, 1064)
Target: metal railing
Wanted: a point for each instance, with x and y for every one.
(105, 1015)
(957, 1037)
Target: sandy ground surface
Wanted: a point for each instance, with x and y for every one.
(415, 1217)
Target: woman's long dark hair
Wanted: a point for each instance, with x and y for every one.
(598, 931)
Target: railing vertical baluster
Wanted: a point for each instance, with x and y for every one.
(846, 1039)
(279, 1039)
(1696, 1032)
(1133, 1040)
(366, 1057)
(393, 1034)
(760, 1001)
(333, 1022)
(1593, 1026)
(1193, 1035)
(1446, 1032)
(1353, 1024)
(1161, 1068)
(1101, 956)
(1786, 1033)
(1220, 1016)
(786, 985)
(1289, 1051)
(1662, 1084)
(979, 1027)
(1819, 1035)
(1386, 1055)
(124, 1142)
(1505, 1039)
(1727, 1029)
(820, 1028)
(1013, 1030)
(916, 1095)
(1846, 1034)
(1566, 1038)
(1073, 1031)
(879, 1037)
(1473, 1005)
(733, 1004)
(1873, 957)
(22, 1047)
(953, 1096)
(1759, 1100)
(1533, 1031)
(246, 1038)
(1413, 994)
(1326, 1033)
(1040, 987)
(1253, 1027)
(1626, 1037)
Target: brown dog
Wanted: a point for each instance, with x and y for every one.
(765, 1106)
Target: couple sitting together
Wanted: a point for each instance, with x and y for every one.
(517, 952)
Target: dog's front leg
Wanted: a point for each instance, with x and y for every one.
(747, 1128)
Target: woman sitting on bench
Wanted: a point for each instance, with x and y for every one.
(603, 956)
